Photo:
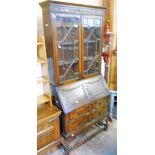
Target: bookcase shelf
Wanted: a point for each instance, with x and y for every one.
(42, 99)
(39, 44)
(40, 60)
(44, 79)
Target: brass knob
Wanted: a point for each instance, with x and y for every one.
(46, 25)
(76, 102)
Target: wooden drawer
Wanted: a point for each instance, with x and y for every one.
(77, 118)
(45, 124)
(100, 107)
(72, 125)
(85, 118)
(45, 137)
(50, 131)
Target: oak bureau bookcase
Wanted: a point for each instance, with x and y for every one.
(73, 37)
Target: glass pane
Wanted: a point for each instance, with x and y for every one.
(68, 48)
(91, 45)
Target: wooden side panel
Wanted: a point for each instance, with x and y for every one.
(48, 36)
(113, 72)
(56, 129)
(48, 24)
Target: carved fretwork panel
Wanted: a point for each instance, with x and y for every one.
(67, 27)
(76, 10)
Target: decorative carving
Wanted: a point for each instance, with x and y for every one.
(75, 10)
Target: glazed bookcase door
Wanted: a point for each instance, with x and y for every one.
(68, 47)
(92, 36)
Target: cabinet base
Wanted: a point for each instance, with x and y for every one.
(101, 126)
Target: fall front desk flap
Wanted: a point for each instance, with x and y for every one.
(74, 95)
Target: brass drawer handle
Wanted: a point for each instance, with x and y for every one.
(46, 25)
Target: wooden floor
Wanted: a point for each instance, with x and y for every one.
(105, 143)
